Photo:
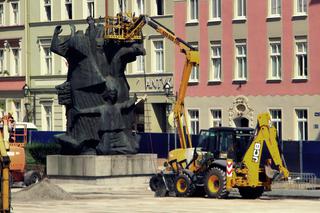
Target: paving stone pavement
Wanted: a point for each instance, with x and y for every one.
(136, 197)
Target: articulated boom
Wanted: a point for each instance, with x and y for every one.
(128, 28)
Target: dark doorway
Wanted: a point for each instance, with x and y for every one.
(241, 122)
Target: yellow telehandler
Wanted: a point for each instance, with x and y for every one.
(225, 157)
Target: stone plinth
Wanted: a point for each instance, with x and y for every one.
(91, 166)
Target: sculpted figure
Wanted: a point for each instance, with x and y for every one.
(96, 93)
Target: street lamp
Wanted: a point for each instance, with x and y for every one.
(167, 89)
(29, 109)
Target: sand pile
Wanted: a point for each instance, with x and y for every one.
(44, 190)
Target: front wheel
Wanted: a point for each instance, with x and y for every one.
(157, 185)
(251, 192)
(215, 183)
(32, 177)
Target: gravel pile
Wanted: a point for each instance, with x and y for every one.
(44, 190)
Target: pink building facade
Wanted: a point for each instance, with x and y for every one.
(255, 56)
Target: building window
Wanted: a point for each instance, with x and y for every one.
(194, 75)
(122, 6)
(90, 7)
(160, 7)
(216, 117)
(16, 62)
(47, 117)
(276, 119)
(15, 12)
(17, 110)
(275, 8)
(301, 64)
(2, 14)
(140, 63)
(215, 9)
(302, 124)
(159, 57)
(194, 121)
(241, 61)
(2, 68)
(47, 8)
(301, 7)
(3, 107)
(68, 5)
(216, 62)
(139, 7)
(275, 60)
(240, 9)
(47, 60)
(193, 10)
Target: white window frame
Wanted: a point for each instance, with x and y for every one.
(277, 120)
(3, 107)
(241, 59)
(301, 72)
(15, 14)
(275, 60)
(90, 11)
(300, 9)
(63, 118)
(305, 125)
(195, 71)
(195, 120)
(44, 117)
(140, 64)
(216, 119)
(243, 10)
(275, 7)
(216, 56)
(193, 10)
(215, 10)
(17, 111)
(2, 14)
(48, 60)
(155, 9)
(139, 7)
(154, 56)
(2, 62)
(47, 6)
(66, 14)
(15, 63)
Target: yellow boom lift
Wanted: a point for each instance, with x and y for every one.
(225, 157)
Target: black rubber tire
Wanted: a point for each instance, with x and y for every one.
(183, 186)
(158, 186)
(32, 177)
(155, 182)
(251, 192)
(215, 183)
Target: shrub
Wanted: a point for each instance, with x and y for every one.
(39, 151)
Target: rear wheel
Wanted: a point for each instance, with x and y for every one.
(215, 183)
(251, 192)
(183, 186)
(32, 177)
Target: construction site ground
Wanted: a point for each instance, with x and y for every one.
(132, 195)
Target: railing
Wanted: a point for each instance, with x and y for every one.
(305, 181)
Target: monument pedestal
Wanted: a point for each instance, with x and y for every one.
(96, 167)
